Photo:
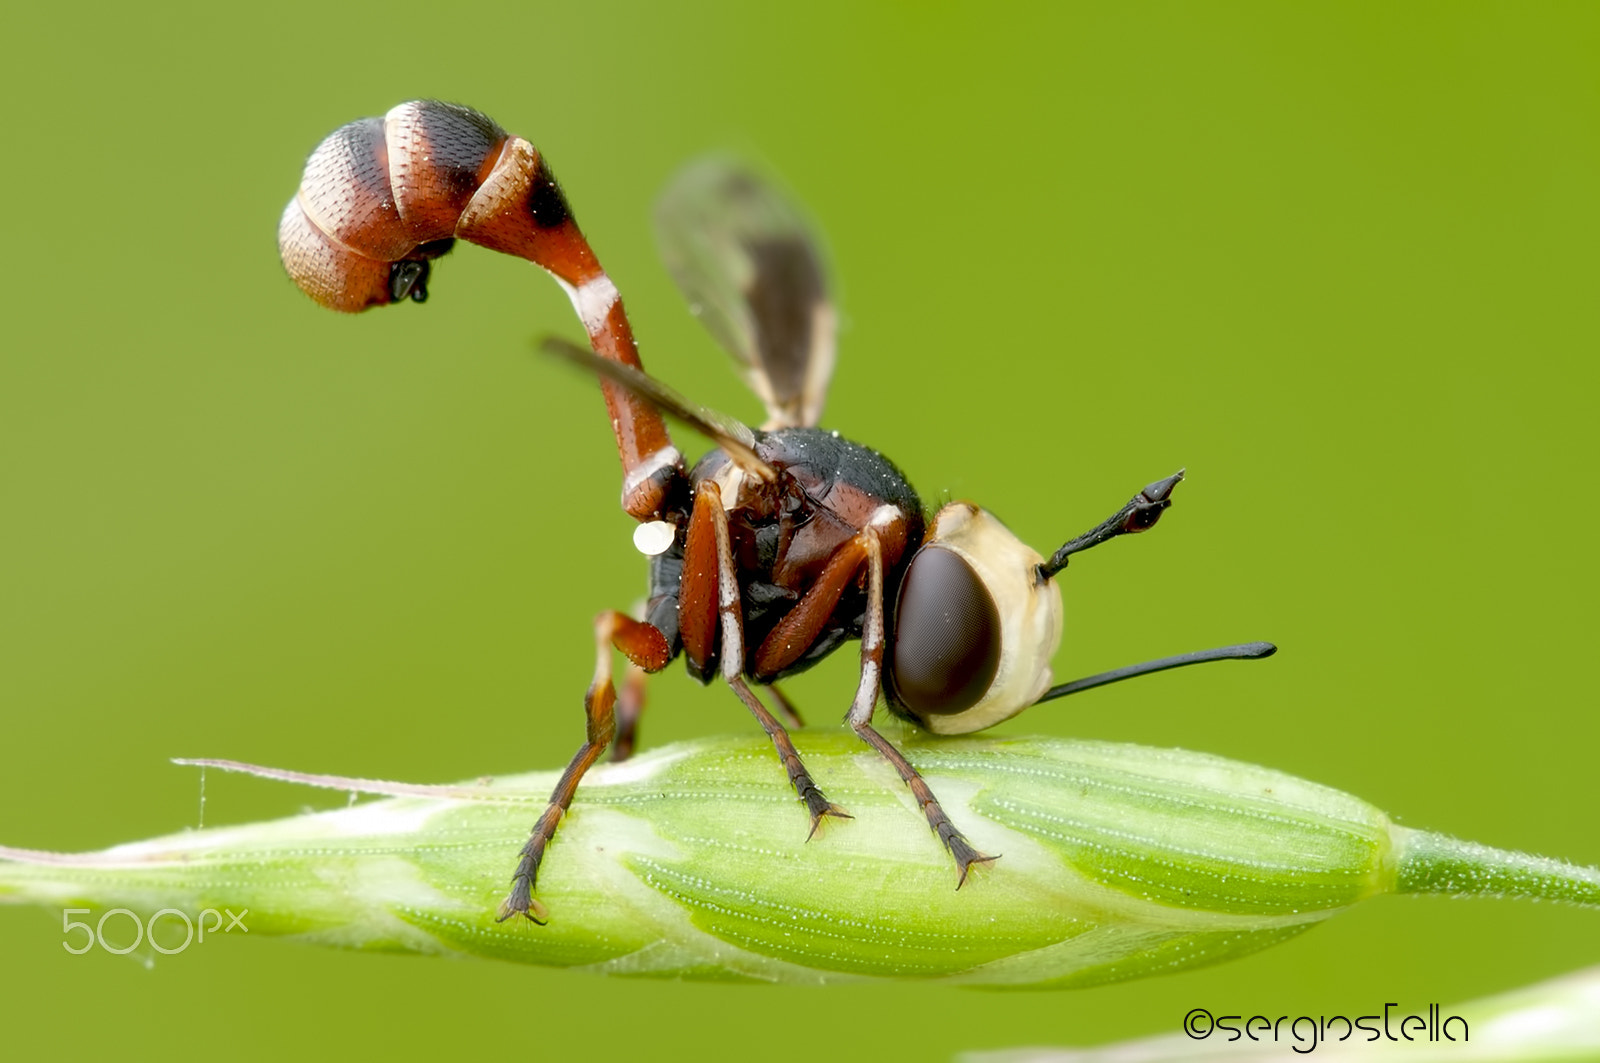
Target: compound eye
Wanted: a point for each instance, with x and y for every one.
(947, 635)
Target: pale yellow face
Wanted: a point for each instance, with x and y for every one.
(1028, 609)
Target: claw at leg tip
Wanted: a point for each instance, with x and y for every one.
(525, 905)
(978, 862)
(818, 819)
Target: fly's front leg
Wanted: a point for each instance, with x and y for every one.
(866, 699)
(645, 647)
(719, 583)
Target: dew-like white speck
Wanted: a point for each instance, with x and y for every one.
(653, 537)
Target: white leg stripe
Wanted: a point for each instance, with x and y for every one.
(664, 458)
(592, 300)
(728, 600)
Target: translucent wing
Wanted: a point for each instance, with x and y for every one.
(733, 436)
(744, 257)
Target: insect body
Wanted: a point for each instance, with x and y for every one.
(783, 543)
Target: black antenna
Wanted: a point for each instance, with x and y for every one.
(1140, 514)
(1245, 651)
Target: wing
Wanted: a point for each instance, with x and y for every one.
(744, 257)
(733, 436)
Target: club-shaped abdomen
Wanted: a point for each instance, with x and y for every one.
(974, 626)
(381, 197)
(375, 192)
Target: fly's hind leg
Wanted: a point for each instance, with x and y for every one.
(645, 647)
(630, 706)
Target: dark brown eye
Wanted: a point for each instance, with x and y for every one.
(946, 646)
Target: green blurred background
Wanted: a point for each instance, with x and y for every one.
(1338, 260)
